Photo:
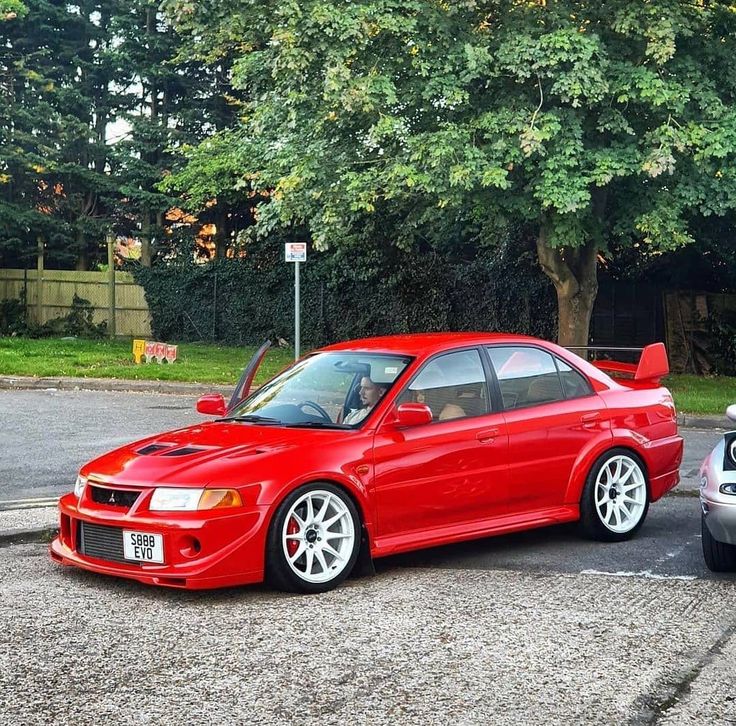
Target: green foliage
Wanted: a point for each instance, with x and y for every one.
(13, 317)
(78, 322)
(347, 294)
(377, 121)
(11, 9)
(721, 330)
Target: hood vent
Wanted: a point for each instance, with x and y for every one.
(185, 451)
(152, 449)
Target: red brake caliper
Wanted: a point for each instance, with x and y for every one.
(292, 545)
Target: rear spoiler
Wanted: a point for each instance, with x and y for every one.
(652, 366)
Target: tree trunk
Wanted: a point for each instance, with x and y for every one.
(146, 240)
(574, 273)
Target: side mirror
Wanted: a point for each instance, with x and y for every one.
(413, 414)
(211, 404)
(731, 412)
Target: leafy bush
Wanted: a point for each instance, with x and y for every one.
(349, 293)
(721, 328)
(78, 322)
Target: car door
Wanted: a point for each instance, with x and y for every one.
(445, 474)
(551, 414)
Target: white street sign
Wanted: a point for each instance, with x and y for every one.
(296, 251)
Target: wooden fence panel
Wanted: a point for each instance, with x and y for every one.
(132, 317)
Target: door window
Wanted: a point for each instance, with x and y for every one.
(573, 383)
(453, 385)
(526, 376)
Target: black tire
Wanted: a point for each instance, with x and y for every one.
(719, 556)
(279, 574)
(591, 524)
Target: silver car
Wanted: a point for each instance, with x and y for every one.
(718, 502)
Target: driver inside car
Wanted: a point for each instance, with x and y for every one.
(370, 394)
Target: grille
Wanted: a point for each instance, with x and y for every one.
(105, 543)
(114, 497)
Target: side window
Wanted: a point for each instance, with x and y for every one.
(574, 384)
(526, 376)
(452, 385)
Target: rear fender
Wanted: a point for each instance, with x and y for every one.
(588, 456)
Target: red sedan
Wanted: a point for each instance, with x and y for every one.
(374, 447)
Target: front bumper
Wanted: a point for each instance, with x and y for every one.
(208, 549)
(719, 508)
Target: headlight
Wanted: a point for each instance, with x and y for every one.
(732, 451)
(169, 499)
(79, 486)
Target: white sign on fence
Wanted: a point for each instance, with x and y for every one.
(296, 251)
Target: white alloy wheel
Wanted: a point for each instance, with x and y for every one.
(620, 494)
(318, 536)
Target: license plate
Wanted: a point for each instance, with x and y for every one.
(143, 546)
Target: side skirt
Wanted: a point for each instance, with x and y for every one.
(477, 529)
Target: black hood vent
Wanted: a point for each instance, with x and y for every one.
(152, 449)
(185, 451)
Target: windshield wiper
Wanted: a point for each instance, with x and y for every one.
(315, 425)
(251, 418)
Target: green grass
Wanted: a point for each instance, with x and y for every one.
(707, 395)
(196, 363)
(202, 363)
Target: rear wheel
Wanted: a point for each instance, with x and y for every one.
(719, 556)
(615, 498)
(314, 539)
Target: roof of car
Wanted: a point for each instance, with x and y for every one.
(422, 343)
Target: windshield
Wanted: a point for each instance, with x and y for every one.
(330, 390)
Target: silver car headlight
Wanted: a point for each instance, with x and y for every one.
(169, 499)
(79, 486)
(732, 451)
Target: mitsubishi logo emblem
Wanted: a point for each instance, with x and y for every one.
(111, 500)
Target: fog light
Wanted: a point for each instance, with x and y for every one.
(728, 488)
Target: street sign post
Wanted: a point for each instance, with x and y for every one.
(296, 252)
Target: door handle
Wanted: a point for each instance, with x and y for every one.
(487, 435)
(589, 419)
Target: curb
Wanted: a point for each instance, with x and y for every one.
(18, 383)
(27, 536)
(688, 421)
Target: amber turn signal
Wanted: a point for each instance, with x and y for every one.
(219, 499)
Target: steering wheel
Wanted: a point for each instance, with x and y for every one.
(311, 404)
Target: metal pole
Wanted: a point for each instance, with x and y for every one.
(296, 311)
(110, 285)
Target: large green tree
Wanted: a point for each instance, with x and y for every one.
(595, 125)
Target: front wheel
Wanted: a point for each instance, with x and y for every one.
(314, 539)
(615, 498)
(719, 556)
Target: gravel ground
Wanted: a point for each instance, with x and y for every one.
(408, 647)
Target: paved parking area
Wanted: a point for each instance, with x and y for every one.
(410, 646)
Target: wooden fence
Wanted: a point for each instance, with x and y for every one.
(53, 297)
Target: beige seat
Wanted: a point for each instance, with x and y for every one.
(544, 388)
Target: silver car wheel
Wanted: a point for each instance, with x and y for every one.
(620, 494)
(318, 536)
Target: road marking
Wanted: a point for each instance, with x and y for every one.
(642, 573)
(28, 503)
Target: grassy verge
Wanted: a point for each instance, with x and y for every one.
(707, 395)
(202, 363)
(196, 363)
